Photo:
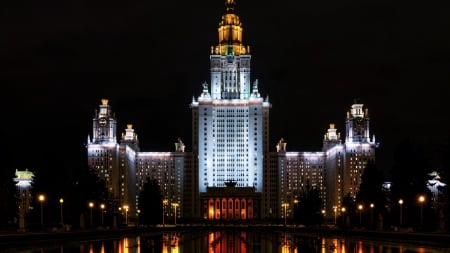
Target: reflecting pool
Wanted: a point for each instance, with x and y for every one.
(227, 241)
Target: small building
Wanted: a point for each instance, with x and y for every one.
(230, 203)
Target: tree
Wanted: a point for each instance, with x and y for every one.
(350, 206)
(371, 191)
(309, 207)
(88, 187)
(151, 203)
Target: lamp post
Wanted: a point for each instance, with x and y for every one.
(138, 212)
(164, 210)
(400, 202)
(61, 201)
(121, 214)
(126, 207)
(335, 214)
(360, 207)
(91, 205)
(371, 213)
(295, 212)
(323, 216)
(285, 205)
(42, 199)
(175, 205)
(343, 215)
(102, 209)
(421, 200)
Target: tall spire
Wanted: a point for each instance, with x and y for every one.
(230, 33)
(230, 59)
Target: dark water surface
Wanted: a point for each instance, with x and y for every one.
(228, 241)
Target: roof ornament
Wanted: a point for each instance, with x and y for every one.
(205, 92)
(230, 6)
(255, 92)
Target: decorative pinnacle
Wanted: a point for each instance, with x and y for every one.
(230, 6)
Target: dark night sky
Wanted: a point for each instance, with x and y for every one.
(312, 58)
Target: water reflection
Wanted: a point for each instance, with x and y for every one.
(122, 245)
(334, 245)
(227, 241)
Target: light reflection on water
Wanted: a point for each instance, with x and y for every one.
(227, 241)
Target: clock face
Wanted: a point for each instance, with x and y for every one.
(102, 121)
(245, 63)
(215, 64)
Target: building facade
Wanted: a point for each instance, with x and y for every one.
(23, 180)
(230, 118)
(230, 146)
(125, 169)
(335, 171)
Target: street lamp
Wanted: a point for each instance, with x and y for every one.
(343, 215)
(42, 199)
(421, 200)
(360, 207)
(126, 214)
(137, 214)
(335, 213)
(120, 211)
(371, 213)
(285, 205)
(164, 210)
(91, 205)
(61, 201)
(175, 205)
(323, 216)
(102, 208)
(400, 202)
(295, 214)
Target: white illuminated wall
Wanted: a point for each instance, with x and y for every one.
(230, 142)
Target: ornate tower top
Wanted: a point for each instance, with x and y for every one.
(230, 33)
(104, 124)
(332, 134)
(357, 124)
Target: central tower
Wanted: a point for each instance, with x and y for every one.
(230, 118)
(230, 59)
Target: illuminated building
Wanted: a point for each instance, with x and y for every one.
(295, 170)
(230, 202)
(230, 119)
(23, 181)
(125, 169)
(230, 145)
(335, 171)
(434, 184)
(345, 162)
